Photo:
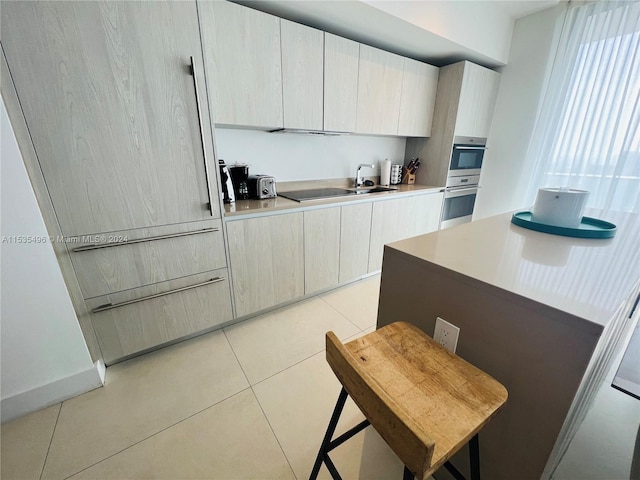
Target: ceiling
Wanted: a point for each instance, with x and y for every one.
(518, 9)
(438, 32)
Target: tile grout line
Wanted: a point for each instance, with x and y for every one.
(274, 433)
(236, 357)
(303, 359)
(344, 316)
(53, 432)
(287, 368)
(158, 432)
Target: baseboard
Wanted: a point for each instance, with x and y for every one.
(52, 393)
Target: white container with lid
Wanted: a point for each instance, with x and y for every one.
(562, 207)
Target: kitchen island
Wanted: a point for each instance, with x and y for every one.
(543, 314)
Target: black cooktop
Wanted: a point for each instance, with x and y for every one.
(316, 193)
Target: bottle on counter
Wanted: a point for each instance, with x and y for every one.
(385, 172)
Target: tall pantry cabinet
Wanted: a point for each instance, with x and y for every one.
(120, 128)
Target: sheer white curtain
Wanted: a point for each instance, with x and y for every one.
(587, 135)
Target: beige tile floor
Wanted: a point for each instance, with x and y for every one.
(251, 401)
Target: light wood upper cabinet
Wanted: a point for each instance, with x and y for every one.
(267, 261)
(465, 102)
(419, 85)
(477, 101)
(243, 60)
(355, 230)
(302, 71)
(341, 59)
(321, 249)
(379, 91)
(111, 108)
(401, 218)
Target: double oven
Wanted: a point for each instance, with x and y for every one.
(462, 180)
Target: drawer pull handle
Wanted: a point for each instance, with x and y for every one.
(109, 306)
(202, 136)
(95, 246)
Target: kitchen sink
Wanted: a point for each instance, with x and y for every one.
(320, 193)
(362, 191)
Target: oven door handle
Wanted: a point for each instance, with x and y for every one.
(460, 192)
(458, 147)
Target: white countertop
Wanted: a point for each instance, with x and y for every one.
(588, 278)
(269, 206)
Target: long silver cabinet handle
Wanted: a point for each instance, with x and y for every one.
(109, 306)
(95, 246)
(204, 152)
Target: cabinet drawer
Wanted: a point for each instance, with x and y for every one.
(130, 322)
(148, 257)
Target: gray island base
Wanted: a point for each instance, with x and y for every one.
(542, 314)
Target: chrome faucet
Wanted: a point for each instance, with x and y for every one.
(358, 177)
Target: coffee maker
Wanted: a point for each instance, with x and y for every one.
(239, 176)
(228, 194)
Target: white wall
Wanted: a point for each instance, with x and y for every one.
(44, 355)
(504, 173)
(479, 25)
(292, 157)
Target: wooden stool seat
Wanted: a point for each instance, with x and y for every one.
(423, 400)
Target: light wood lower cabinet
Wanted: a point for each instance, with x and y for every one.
(321, 249)
(130, 322)
(355, 231)
(126, 260)
(279, 258)
(267, 261)
(401, 218)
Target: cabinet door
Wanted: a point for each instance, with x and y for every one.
(477, 101)
(341, 58)
(242, 55)
(267, 264)
(111, 108)
(419, 84)
(379, 90)
(394, 220)
(136, 320)
(355, 231)
(321, 249)
(302, 69)
(149, 256)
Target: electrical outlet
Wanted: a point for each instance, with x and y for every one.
(446, 334)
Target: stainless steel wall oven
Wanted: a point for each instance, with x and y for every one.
(462, 180)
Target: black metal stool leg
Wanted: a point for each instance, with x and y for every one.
(407, 475)
(474, 454)
(474, 461)
(333, 423)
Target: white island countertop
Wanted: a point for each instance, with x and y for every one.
(588, 278)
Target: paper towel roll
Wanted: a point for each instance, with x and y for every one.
(385, 172)
(562, 207)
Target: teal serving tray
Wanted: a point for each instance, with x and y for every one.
(589, 228)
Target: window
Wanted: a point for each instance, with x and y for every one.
(588, 133)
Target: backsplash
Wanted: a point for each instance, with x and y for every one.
(291, 157)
